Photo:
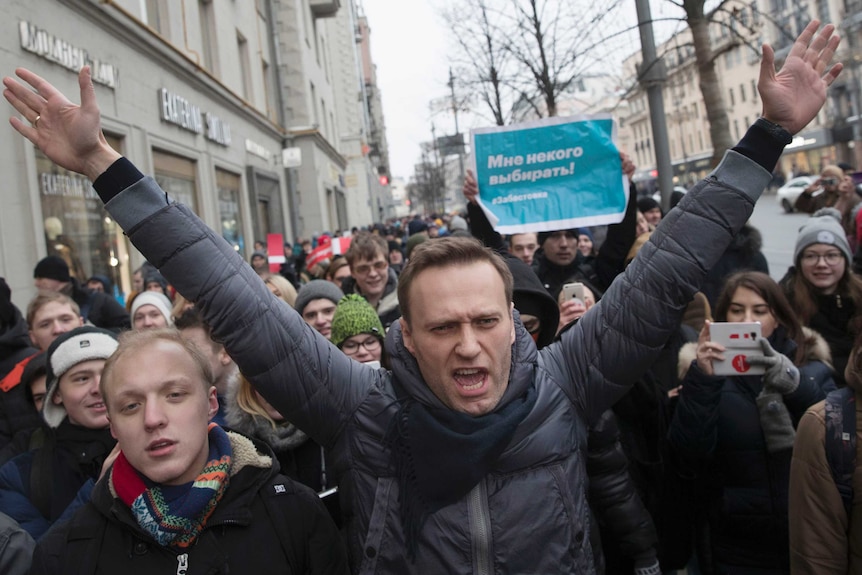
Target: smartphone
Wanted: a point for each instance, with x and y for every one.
(574, 290)
(741, 340)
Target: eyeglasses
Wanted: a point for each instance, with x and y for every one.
(351, 347)
(831, 258)
(365, 269)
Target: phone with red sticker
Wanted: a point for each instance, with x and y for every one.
(740, 339)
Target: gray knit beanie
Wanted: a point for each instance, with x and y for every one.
(824, 227)
(317, 289)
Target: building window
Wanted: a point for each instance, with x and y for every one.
(157, 16)
(228, 185)
(754, 90)
(736, 129)
(732, 99)
(245, 67)
(313, 104)
(77, 227)
(208, 36)
(742, 92)
(178, 177)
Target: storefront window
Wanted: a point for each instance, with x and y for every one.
(228, 207)
(77, 227)
(176, 176)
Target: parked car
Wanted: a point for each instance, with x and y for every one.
(788, 193)
(679, 190)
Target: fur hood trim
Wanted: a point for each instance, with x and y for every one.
(818, 350)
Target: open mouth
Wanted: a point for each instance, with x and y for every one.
(471, 379)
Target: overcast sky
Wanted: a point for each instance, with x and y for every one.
(409, 45)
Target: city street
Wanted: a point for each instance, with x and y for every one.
(779, 233)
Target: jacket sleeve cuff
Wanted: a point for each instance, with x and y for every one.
(119, 176)
(759, 145)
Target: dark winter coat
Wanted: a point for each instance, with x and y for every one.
(347, 407)
(628, 536)
(604, 268)
(834, 321)
(299, 457)
(16, 412)
(743, 254)
(264, 524)
(643, 416)
(100, 308)
(71, 459)
(717, 422)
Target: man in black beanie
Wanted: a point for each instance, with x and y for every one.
(99, 308)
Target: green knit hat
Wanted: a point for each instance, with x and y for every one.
(354, 315)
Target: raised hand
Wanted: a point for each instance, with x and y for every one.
(471, 188)
(69, 134)
(793, 96)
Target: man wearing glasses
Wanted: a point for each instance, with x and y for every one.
(371, 276)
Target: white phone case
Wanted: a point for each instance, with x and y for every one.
(740, 339)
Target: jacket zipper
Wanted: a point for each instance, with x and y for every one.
(480, 529)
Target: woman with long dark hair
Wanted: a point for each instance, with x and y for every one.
(737, 431)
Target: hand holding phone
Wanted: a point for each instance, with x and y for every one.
(740, 340)
(573, 290)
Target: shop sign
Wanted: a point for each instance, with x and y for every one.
(258, 150)
(178, 111)
(54, 49)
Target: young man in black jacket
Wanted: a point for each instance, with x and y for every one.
(183, 494)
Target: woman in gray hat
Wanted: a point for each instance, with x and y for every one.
(822, 288)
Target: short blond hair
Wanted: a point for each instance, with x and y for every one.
(44, 298)
(132, 341)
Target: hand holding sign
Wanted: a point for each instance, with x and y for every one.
(551, 174)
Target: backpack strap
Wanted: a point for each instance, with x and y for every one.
(840, 441)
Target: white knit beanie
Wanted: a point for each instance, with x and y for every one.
(68, 350)
(154, 298)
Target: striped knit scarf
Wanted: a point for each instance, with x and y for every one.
(175, 516)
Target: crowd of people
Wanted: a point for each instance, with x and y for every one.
(440, 398)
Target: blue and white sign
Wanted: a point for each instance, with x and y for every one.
(551, 174)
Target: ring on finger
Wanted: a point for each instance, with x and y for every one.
(36, 121)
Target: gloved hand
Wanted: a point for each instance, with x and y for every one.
(775, 422)
(781, 375)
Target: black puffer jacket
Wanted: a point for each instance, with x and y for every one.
(628, 536)
(241, 535)
(717, 423)
(600, 270)
(743, 254)
(347, 407)
(99, 308)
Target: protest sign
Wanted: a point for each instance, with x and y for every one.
(275, 249)
(551, 174)
(326, 249)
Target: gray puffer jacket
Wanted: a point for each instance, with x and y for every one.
(529, 514)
